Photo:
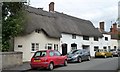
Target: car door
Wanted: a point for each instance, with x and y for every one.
(85, 54)
(59, 57)
(53, 57)
(82, 55)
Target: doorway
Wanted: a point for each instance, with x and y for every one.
(64, 49)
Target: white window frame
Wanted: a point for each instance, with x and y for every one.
(73, 36)
(47, 45)
(36, 47)
(56, 47)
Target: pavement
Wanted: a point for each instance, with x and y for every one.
(24, 66)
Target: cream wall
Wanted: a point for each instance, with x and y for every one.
(34, 37)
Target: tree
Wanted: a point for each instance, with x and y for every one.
(13, 18)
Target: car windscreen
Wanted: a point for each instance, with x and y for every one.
(75, 51)
(40, 54)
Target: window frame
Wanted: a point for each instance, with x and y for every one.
(73, 36)
(96, 39)
(97, 48)
(85, 37)
(106, 38)
(56, 47)
(20, 46)
(35, 48)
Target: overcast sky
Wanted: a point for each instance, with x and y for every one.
(93, 10)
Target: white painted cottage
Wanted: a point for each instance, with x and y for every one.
(114, 41)
(54, 30)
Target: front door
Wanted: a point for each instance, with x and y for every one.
(64, 49)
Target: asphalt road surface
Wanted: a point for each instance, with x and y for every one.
(94, 65)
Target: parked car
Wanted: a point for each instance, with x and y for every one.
(47, 59)
(78, 55)
(103, 53)
(115, 52)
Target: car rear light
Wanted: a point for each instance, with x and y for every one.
(32, 59)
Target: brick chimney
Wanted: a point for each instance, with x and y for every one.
(51, 7)
(114, 29)
(101, 25)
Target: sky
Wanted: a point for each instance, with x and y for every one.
(93, 10)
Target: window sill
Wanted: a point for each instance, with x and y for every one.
(33, 51)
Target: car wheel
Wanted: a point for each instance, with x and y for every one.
(65, 63)
(51, 66)
(89, 58)
(79, 59)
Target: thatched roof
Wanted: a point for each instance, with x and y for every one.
(53, 24)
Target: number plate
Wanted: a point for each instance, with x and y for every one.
(37, 60)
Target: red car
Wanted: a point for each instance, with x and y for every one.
(47, 59)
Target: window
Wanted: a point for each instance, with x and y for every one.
(37, 31)
(85, 37)
(105, 47)
(57, 53)
(115, 47)
(49, 46)
(106, 38)
(20, 46)
(51, 53)
(35, 46)
(95, 38)
(40, 54)
(96, 48)
(73, 46)
(75, 51)
(73, 36)
(56, 47)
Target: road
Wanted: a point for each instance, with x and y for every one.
(93, 64)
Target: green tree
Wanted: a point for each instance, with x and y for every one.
(13, 18)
